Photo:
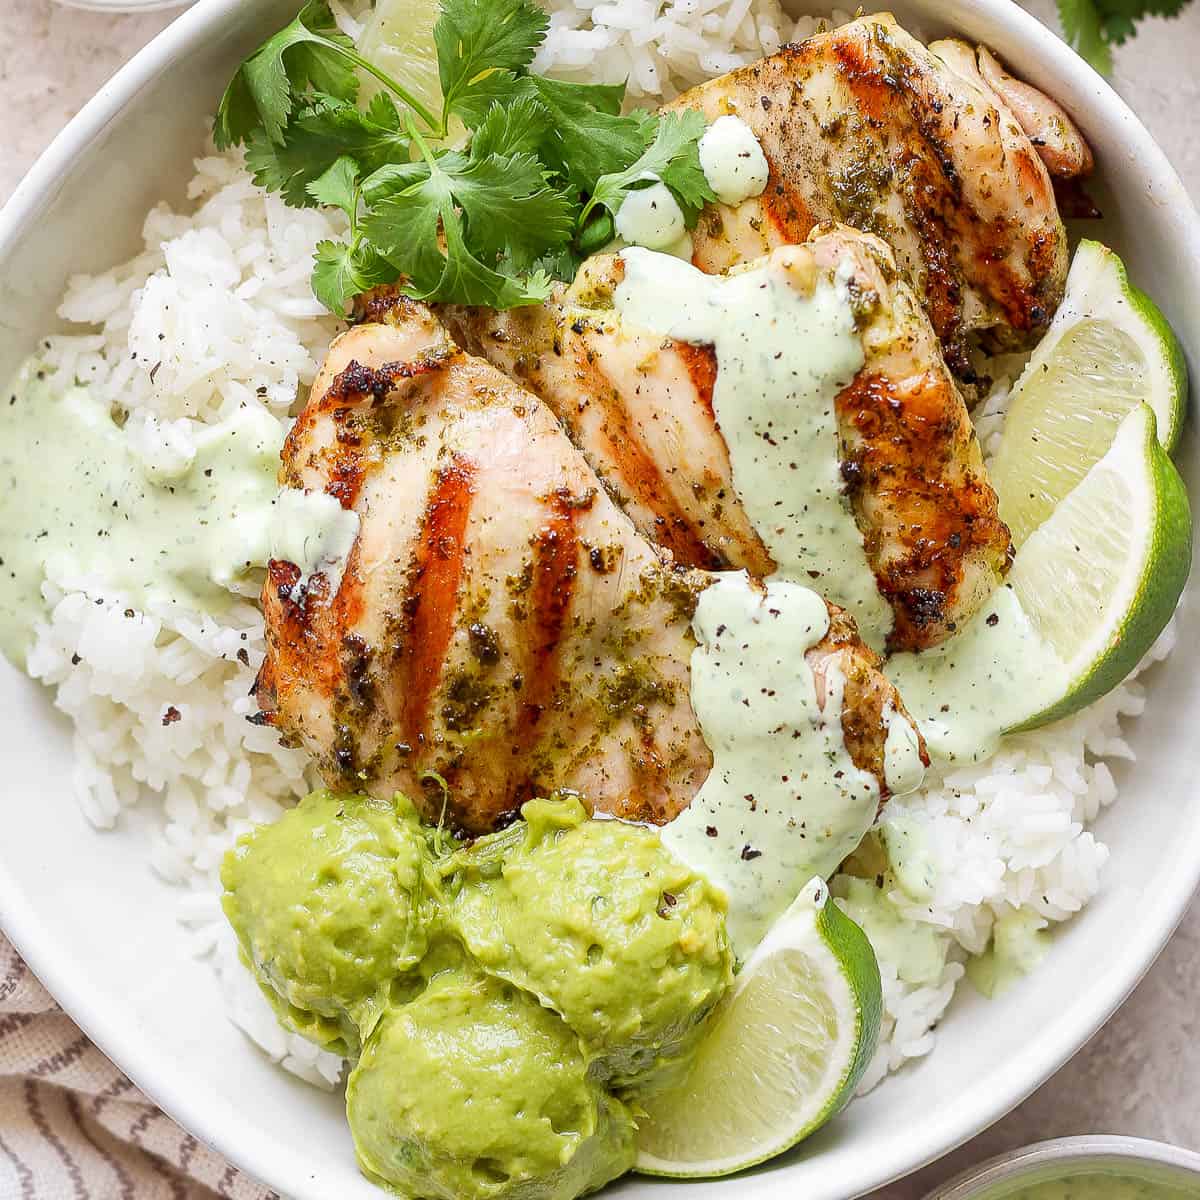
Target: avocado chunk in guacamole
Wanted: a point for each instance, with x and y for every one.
(603, 925)
(474, 1091)
(330, 904)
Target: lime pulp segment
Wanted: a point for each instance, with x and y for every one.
(1108, 351)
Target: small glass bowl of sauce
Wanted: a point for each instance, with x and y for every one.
(1082, 1168)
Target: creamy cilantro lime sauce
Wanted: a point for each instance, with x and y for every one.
(312, 530)
(785, 345)
(902, 766)
(651, 217)
(733, 161)
(905, 842)
(989, 677)
(182, 525)
(916, 949)
(1099, 1185)
(784, 801)
(1019, 942)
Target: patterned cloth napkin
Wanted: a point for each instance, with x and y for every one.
(72, 1127)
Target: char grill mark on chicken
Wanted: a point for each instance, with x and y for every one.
(657, 460)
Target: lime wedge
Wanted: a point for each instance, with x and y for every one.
(1108, 351)
(784, 1052)
(398, 39)
(1102, 576)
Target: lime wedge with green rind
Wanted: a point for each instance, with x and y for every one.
(784, 1052)
(1108, 350)
(1101, 578)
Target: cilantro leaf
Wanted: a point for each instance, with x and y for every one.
(404, 228)
(466, 280)
(481, 45)
(607, 98)
(674, 158)
(1093, 27)
(318, 136)
(397, 177)
(510, 212)
(237, 114)
(496, 215)
(1082, 27)
(588, 139)
(338, 187)
(497, 88)
(561, 264)
(517, 128)
(342, 271)
(310, 53)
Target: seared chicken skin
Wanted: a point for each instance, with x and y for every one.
(866, 126)
(640, 406)
(500, 621)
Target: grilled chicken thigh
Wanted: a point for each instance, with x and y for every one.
(500, 621)
(867, 126)
(640, 407)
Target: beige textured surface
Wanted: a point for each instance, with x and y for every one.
(1141, 1075)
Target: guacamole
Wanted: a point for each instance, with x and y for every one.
(474, 1090)
(504, 1000)
(330, 904)
(604, 926)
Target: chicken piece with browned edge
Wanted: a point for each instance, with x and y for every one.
(500, 627)
(865, 125)
(640, 406)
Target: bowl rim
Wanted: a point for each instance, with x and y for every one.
(1102, 1149)
(268, 1159)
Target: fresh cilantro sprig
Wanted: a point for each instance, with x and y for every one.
(495, 212)
(673, 157)
(345, 269)
(1093, 27)
(322, 131)
(546, 169)
(483, 46)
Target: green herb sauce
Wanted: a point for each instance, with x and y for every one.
(180, 515)
(1101, 1185)
(966, 692)
(784, 801)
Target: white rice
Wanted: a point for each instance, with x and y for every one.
(663, 46)
(217, 313)
(1010, 834)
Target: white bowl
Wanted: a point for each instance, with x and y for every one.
(98, 927)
